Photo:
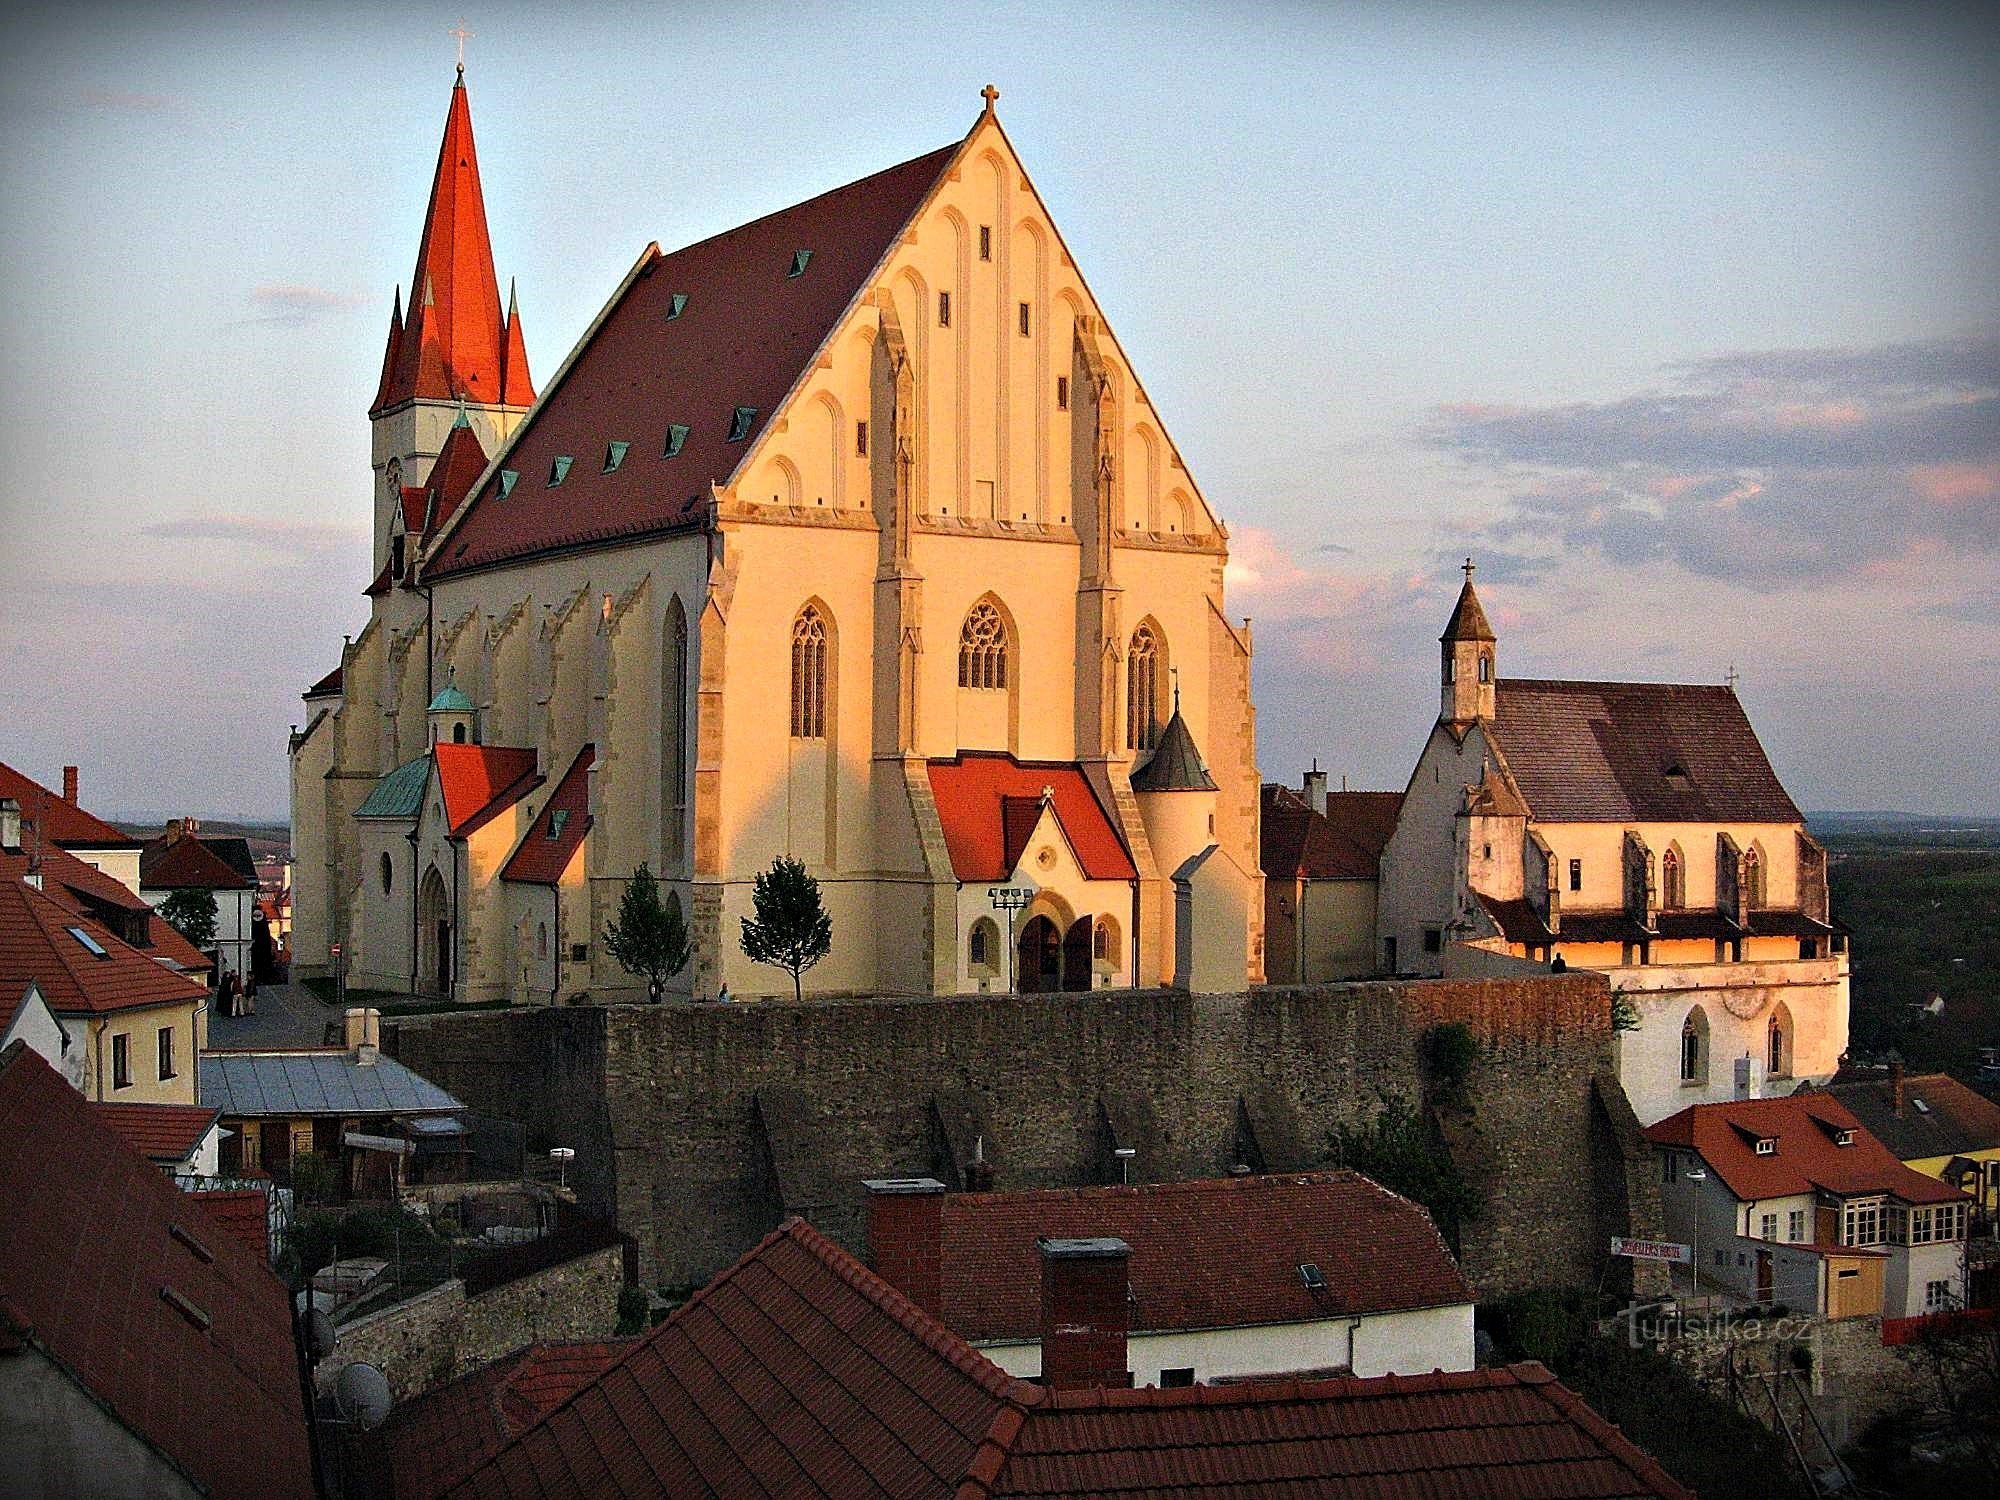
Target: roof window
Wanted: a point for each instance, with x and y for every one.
(676, 435)
(1843, 1138)
(558, 818)
(559, 470)
(800, 260)
(1310, 1275)
(614, 455)
(508, 479)
(739, 423)
(1767, 1145)
(1922, 1107)
(676, 305)
(90, 944)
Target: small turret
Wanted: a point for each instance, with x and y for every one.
(452, 716)
(1467, 655)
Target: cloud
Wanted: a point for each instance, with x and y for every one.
(297, 303)
(275, 533)
(1784, 466)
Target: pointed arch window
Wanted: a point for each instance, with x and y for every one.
(1753, 878)
(1673, 881)
(677, 684)
(1778, 1043)
(1142, 690)
(982, 649)
(1694, 1047)
(809, 675)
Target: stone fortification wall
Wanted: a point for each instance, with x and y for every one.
(701, 1125)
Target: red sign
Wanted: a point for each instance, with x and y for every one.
(1651, 1250)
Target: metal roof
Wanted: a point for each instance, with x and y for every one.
(295, 1084)
(400, 793)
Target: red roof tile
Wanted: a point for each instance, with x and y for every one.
(1343, 843)
(61, 822)
(86, 891)
(1604, 751)
(37, 942)
(328, 685)
(1725, 1136)
(797, 1371)
(162, 1132)
(1214, 1253)
(244, 1213)
(989, 804)
(1937, 1115)
(479, 782)
(541, 858)
(188, 863)
(92, 1239)
(747, 332)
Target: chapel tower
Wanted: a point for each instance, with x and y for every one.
(455, 351)
(1467, 648)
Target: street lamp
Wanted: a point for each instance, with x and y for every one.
(1696, 1174)
(1010, 899)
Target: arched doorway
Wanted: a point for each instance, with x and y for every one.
(1076, 955)
(434, 935)
(1039, 967)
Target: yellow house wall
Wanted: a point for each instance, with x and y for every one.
(1601, 848)
(142, 1026)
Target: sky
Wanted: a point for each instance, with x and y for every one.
(1682, 319)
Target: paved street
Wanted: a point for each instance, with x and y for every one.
(288, 1015)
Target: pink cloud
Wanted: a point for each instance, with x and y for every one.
(1955, 484)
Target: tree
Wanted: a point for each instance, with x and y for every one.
(649, 938)
(791, 930)
(1400, 1149)
(191, 913)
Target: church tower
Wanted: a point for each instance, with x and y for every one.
(455, 351)
(1467, 654)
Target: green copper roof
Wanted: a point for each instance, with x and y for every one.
(450, 700)
(401, 792)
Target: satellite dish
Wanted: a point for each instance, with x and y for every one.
(320, 1337)
(361, 1395)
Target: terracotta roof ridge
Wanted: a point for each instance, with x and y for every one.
(1593, 683)
(1641, 1465)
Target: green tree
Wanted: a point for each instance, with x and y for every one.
(649, 938)
(191, 913)
(1400, 1150)
(791, 930)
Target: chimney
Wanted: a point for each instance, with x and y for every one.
(979, 1171)
(905, 1237)
(69, 785)
(354, 1026)
(1896, 1087)
(361, 1032)
(1316, 788)
(1086, 1313)
(10, 823)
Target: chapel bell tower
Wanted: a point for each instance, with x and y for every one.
(1467, 648)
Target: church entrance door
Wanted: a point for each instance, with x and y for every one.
(1076, 955)
(1041, 958)
(434, 941)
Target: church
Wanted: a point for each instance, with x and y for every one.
(879, 450)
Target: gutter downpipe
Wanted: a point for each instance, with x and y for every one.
(457, 940)
(555, 979)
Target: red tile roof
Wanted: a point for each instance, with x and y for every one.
(455, 342)
(1807, 1158)
(431, 1443)
(87, 891)
(93, 1239)
(479, 782)
(1939, 1115)
(244, 1213)
(456, 470)
(1604, 751)
(328, 685)
(162, 1132)
(747, 332)
(540, 859)
(797, 1371)
(188, 863)
(61, 822)
(989, 804)
(1214, 1253)
(36, 943)
(1343, 843)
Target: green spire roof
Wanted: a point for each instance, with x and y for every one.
(449, 699)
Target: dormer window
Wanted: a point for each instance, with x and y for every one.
(740, 421)
(559, 470)
(676, 435)
(676, 305)
(557, 818)
(508, 479)
(1843, 1138)
(800, 260)
(1767, 1145)
(614, 455)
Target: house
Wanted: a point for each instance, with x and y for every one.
(1632, 828)
(128, 1026)
(798, 1371)
(382, 1124)
(1790, 1200)
(49, 820)
(143, 1349)
(182, 1140)
(1318, 1272)
(881, 447)
(1322, 858)
(1931, 1122)
(90, 892)
(181, 860)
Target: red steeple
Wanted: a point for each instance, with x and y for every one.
(454, 345)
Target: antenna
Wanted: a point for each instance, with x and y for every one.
(361, 1395)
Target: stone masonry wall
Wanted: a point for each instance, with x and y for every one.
(708, 1123)
(440, 1334)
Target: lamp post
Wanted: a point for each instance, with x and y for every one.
(1010, 899)
(1696, 1174)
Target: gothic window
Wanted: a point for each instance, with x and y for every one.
(809, 675)
(388, 875)
(1694, 1047)
(1100, 940)
(1778, 1043)
(458, 734)
(1673, 881)
(1485, 668)
(982, 649)
(1753, 878)
(982, 951)
(677, 684)
(542, 940)
(1142, 690)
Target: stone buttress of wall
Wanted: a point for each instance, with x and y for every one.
(704, 1124)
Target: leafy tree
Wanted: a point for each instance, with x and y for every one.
(649, 938)
(191, 913)
(791, 930)
(1400, 1150)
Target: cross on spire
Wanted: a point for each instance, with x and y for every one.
(991, 95)
(1467, 568)
(461, 33)
(1732, 677)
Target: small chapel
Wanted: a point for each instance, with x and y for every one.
(848, 535)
